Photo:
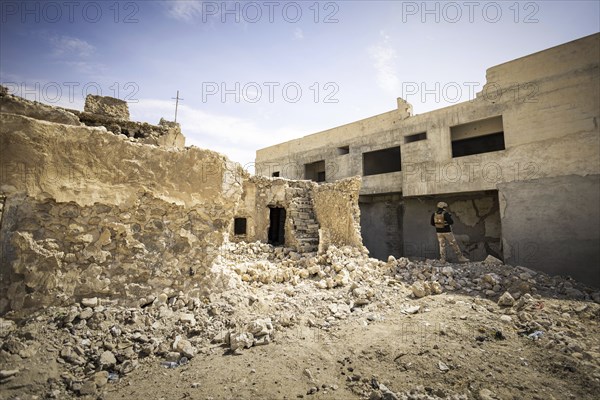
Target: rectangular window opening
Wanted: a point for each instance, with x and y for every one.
(239, 226)
(315, 171)
(483, 136)
(275, 174)
(343, 150)
(415, 138)
(382, 161)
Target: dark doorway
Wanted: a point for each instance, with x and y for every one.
(381, 221)
(277, 226)
(239, 226)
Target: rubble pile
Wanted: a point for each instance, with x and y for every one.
(87, 347)
(486, 279)
(263, 263)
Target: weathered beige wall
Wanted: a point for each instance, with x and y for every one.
(88, 165)
(86, 212)
(550, 107)
(336, 208)
(549, 104)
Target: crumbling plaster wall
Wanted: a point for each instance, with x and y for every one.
(338, 213)
(381, 219)
(335, 208)
(87, 212)
(553, 225)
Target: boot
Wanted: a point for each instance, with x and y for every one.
(463, 259)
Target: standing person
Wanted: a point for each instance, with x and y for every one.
(442, 220)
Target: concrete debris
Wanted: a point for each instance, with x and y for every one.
(184, 347)
(422, 289)
(107, 359)
(486, 394)
(491, 260)
(89, 302)
(6, 327)
(443, 367)
(506, 300)
(8, 373)
(241, 341)
(411, 310)
(98, 337)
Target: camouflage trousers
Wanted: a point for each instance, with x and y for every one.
(448, 236)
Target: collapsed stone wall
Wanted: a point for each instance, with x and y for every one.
(86, 212)
(104, 112)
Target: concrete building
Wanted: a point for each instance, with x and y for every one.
(519, 166)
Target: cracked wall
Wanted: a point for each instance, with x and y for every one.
(553, 224)
(476, 227)
(317, 214)
(87, 212)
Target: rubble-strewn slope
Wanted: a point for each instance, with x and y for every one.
(365, 335)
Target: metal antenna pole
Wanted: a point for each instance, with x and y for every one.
(176, 104)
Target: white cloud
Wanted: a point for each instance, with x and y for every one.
(184, 10)
(63, 46)
(86, 67)
(298, 34)
(384, 60)
(236, 137)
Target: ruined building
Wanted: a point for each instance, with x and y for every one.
(92, 204)
(519, 166)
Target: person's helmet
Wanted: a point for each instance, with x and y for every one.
(441, 204)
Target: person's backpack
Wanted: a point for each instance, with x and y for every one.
(439, 220)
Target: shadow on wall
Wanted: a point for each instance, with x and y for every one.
(381, 225)
(477, 225)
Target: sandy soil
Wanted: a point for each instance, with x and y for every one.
(324, 343)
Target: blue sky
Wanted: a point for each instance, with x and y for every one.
(253, 74)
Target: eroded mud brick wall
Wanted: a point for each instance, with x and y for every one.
(336, 208)
(86, 212)
(315, 213)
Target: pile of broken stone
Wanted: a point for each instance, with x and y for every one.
(489, 279)
(98, 341)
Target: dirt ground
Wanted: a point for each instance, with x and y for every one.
(401, 351)
(460, 344)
